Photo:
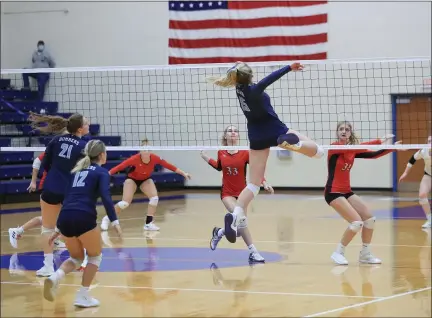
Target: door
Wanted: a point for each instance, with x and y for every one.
(413, 126)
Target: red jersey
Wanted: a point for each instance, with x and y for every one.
(340, 162)
(44, 174)
(141, 170)
(233, 167)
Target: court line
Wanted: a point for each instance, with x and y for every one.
(207, 290)
(257, 241)
(368, 302)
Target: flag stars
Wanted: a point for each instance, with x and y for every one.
(181, 5)
(191, 5)
(219, 3)
(172, 5)
(201, 5)
(210, 4)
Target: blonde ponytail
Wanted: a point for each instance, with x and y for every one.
(92, 151)
(84, 163)
(229, 80)
(240, 73)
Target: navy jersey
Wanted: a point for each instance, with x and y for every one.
(262, 120)
(84, 189)
(61, 156)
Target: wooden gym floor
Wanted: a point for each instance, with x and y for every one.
(174, 273)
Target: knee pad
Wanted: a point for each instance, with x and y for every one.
(423, 201)
(320, 152)
(39, 218)
(370, 223)
(46, 230)
(253, 188)
(76, 261)
(95, 260)
(356, 226)
(154, 200)
(242, 224)
(123, 205)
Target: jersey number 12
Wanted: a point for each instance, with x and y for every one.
(79, 179)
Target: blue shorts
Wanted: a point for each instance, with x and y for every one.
(52, 198)
(71, 226)
(264, 143)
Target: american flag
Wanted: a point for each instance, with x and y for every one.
(248, 31)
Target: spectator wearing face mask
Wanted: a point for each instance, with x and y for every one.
(40, 59)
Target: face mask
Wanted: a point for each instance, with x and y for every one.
(40, 48)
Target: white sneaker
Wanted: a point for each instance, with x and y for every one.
(14, 266)
(426, 225)
(215, 238)
(105, 223)
(50, 288)
(59, 244)
(151, 227)
(339, 258)
(14, 237)
(85, 300)
(368, 258)
(45, 271)
(256, 257)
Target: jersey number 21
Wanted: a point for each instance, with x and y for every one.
(79, 179)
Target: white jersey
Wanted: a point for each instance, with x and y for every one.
(425, 155)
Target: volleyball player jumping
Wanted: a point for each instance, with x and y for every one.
(425, 184)
(77, 222)
(233, 163)
(61, 155)
(139, 170)
(265, 130)
(339, 196)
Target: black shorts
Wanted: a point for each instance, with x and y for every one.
(137, 182)
(52, 198)
(330, 196)
(265, 143)
(74, 227)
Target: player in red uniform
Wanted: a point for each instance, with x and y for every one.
(16, 233)
(139, 169)
(233, 163)
(339, 196)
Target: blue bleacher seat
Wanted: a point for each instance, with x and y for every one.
(20, 186)
(12, 118)
(111, 164)
(33, 106)
(17, 94)
(22, 156)
(16, 171)
(5, 83)
(116, 155)
(5, 142)
(27, 129)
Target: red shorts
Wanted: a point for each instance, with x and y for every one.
(230, 193)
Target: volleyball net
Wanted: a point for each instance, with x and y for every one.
(175, 108)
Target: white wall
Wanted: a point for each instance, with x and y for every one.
(96, 34)
(136, 33)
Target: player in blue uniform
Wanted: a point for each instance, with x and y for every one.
(265, 130)
(77, 222)
(61, 155)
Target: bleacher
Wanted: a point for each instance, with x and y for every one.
(16, 167)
